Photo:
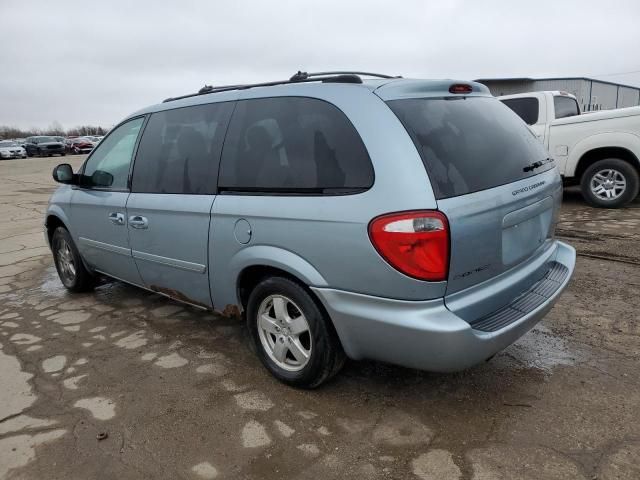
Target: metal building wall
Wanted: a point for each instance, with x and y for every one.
(574, 86)
(591, 94)
(628, 97)
(509, 87)
(603, 96)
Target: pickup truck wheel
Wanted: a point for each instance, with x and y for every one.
(610, 183)
(292, 335)
(73, 275)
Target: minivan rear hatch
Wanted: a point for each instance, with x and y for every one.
(492, 179)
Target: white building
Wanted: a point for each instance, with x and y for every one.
(591, 94)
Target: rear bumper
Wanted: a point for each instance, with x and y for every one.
(426, 335)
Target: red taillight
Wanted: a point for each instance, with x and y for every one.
(460, 88)
(415, 243)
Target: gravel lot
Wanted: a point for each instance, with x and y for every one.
(178, 394)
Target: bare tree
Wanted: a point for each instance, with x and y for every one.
(9, 132)
(55, 129)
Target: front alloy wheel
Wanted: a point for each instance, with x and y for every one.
(66, 264)
(71, 270)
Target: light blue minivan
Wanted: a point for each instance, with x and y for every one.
(405, 221)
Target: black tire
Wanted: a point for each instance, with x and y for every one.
(82, 280)
(63, 154)
(327, 356)
(625, 169)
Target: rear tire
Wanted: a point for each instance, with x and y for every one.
(311, 357)
(610, 183)
(71, 270)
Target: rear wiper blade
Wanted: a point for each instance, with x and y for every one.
(537, 164)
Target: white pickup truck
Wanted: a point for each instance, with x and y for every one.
(600, 151)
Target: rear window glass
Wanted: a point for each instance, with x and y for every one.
(469, 144)
(525, 108)
(293, 145)
(565, 107)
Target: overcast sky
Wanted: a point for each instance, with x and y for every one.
(94, 62)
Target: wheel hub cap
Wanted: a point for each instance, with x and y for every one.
(608, 184)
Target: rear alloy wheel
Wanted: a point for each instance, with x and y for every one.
(293, 337)
(284, 333)
(610, 183)
(71, 270)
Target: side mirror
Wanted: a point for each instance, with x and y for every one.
(63, 173)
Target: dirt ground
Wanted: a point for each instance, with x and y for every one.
(121, 383)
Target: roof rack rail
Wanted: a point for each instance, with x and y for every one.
(304, 75)
(300, 77)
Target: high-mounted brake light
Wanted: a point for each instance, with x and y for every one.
(415, 243)
(460, 88)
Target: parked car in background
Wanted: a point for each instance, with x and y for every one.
(43, 146)
(11, 149)
(80, 145)
(440, 210)
(20, 141)
(600, 151)
(94, 139)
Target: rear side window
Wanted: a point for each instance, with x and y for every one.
(293, 145)
(180, 149)
(469, 144)
(526, 108)
(565, 107)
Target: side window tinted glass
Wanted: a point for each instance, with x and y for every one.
(108, 166)
(293, 144)
(526, 108)
(180, 149)
(565, 107)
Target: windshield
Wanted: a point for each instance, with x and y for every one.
(470, 144)
(45, 139)
(6, 143)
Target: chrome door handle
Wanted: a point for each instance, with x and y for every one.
(138, 221)
(117, 218)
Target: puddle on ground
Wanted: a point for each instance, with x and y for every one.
(52, 286)
(100, 408)
(540, 349)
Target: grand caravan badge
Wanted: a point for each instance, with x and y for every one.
(528, 188)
